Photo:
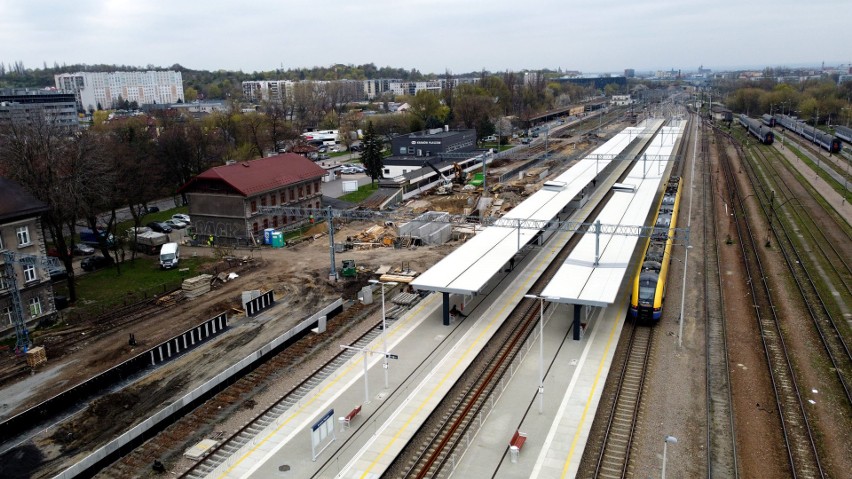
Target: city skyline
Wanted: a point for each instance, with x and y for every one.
(429, 35)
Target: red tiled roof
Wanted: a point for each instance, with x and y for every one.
(251, 177)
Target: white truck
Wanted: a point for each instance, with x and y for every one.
(148, 242)
(169, 255)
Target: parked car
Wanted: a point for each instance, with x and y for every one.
(159, 227)
(356, 147)
(83, 249)
(182, 217)
(153, 209)
(176, 224)
(348, 170)
(322, 149)
(91, 263)
(58, 273)
(323, 156)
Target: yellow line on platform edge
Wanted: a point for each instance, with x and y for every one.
(301, 409)
(592, 392)
(434, 391)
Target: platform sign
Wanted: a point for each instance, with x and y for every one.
(321, 431)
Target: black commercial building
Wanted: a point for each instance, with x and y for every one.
(434, 142)
(20, 104)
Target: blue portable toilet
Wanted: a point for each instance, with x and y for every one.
(267, 235)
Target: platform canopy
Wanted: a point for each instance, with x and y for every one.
(469, 268)
(579, 280)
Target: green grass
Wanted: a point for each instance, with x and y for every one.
(162, 215)
(362, 194)
(107, 288)
(336, 154)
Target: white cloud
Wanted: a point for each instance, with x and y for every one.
(430, 35)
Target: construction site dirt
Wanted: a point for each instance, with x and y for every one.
(299, 276)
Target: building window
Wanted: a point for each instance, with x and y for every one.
(254, 206)
(292, 194)
(300, 192)
(23, 236)
(2, 246)
(274, 221)
(308, 187)
(317, 186)
(4, 284)
(254, 227)
(35, 306)
(283, 197)
(7, 314)
(318, 204)
(273, 198)
(265, 223)
(30, 273)
(262, 201)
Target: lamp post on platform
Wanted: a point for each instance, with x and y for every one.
(384, 326)
(540, 350)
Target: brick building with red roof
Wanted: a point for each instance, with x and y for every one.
(224, 200)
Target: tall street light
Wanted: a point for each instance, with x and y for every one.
(668, 440)
(384, 325)
(540, 350)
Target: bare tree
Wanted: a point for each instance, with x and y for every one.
(60, 168)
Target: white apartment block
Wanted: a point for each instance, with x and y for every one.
(273, 90)
(104, 88)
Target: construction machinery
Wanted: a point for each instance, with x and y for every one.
(446, 186)
(349, 270)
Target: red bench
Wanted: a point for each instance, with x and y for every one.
(518, 440)
(347, 420)
(516, 444)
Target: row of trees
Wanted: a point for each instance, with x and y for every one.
(85, 176)
(823, 101)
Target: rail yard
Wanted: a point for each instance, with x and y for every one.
(747, 366)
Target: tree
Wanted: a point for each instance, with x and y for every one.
(64, 171)
(427, 105)
(371, 156)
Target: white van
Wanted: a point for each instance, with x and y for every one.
(169, 255)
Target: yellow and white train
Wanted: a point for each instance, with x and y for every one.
(649, 285)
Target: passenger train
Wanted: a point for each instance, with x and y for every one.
(758, 129)
(649, 285)
(843, 133)
(828, 142)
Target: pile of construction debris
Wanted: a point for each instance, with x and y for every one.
(374, 236)
(399, 274)
(196, 286)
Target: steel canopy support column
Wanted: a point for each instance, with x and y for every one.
(597, 242)
(445, 311)
(576, 322)
(332, 275)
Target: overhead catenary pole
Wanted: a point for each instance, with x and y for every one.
(332, 275)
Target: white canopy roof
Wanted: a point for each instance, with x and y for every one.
(579, 281)
(467, 269)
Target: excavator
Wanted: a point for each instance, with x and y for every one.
(446, 186)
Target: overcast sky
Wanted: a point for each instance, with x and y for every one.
(430, 35)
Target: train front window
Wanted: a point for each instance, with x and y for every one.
(647, 290)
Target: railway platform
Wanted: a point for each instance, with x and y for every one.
(364, 425)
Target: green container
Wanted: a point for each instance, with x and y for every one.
(278, 239)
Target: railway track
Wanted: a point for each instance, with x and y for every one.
(721, 436)
(839, 163)
(434, 448)
(824, 264)
(623, 415)
(278, 410)
(198, 423)
(802, 456)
